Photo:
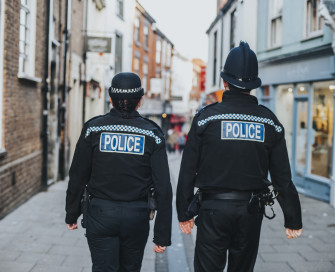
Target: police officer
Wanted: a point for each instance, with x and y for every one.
(231, 147)
(119, 156)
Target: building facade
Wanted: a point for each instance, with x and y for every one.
(235, 21)
(21, 67)
(152, 61)
(296, 65)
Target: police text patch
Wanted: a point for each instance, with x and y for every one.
(247, 131)
(122, 143)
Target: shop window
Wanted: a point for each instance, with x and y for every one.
(284, 111)
(313, 18)
(27, 38)
(302, 89)
(275, 13)
(302, 138)
(322, 129)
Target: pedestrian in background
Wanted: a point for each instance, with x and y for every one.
(230, 149)
(119, 157)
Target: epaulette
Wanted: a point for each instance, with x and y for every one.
(271, 112)
(152, 122)
(204, 107)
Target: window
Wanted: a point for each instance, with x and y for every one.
(214, 56)
(118, 53)
(146, 35)
(276, 7)
(27, 38)
(145, 76)
(158, 50)
(137, 27)
(322, 128)
(232, 28)
(119, 8)
(2, 19)
(313, 18)
(136, 65)
(168, 52)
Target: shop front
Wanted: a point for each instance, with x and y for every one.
(301, 93)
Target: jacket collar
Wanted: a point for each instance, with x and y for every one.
(238, 97)
(117, 113)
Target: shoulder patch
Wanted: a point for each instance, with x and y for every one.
(204, 107)
(152, 122)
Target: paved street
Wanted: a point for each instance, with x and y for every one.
(34, 238)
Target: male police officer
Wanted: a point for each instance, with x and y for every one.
(120, 156)
(230, 149)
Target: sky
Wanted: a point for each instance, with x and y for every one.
(184, 23)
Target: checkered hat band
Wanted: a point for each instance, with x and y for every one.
(115, 90)
(242, 117)
(122, 128)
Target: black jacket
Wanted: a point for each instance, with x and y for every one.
(119, 159)
(231, 146)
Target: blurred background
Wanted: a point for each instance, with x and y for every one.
(58, 57)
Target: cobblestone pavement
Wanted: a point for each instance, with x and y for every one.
(34, 238)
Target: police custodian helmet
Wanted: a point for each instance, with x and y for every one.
(241, 68)
(126, 85)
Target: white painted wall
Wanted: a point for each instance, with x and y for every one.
(182, 73)
(106, 23)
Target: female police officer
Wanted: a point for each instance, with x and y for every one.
(119, 156)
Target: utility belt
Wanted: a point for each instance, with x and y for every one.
(256, 201)
(86, 198)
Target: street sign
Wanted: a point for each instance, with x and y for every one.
(98, 44)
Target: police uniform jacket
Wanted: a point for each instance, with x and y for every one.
(231, 146)
(119, 159)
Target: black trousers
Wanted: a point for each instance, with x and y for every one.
(117, 233)
(226, 226)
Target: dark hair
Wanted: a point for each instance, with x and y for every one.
(237, 89)
(125, 106)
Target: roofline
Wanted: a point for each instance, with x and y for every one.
(145, 13)
(160, 33)
(222, 12)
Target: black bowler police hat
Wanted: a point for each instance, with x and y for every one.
(126, 85)
(241, 68)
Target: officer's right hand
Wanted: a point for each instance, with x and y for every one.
(292, 233)
(159, 249)
(187, 226)
(72, 226)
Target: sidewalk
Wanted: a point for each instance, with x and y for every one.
(34, 238)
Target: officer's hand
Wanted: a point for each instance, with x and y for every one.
(72, 226)
(159, 249)
(292, 233)
(187, 226)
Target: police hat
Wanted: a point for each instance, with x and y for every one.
(126, 85)
(241, 68)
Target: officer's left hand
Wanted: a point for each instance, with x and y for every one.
(292, 233)
(159, 249)
(72, 226)
(186, 227)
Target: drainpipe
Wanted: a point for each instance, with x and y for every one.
(64, 95)
(45, 92)
(84, 59)
(221, 53)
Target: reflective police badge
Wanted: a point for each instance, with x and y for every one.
(246, 131)
(122, 143)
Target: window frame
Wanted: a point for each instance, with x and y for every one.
(137, 31)
(27, 70)
(318, 32)
(215, 39)
(158, 41)
(120, 3)
(275, 16)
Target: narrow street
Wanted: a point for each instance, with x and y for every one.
(34, 238)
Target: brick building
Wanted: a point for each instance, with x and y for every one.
(34, 84)
(152, 61)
